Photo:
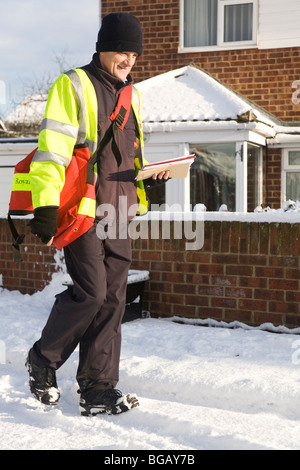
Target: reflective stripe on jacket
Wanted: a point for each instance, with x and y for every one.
(71, 119)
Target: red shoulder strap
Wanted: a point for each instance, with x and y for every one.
(122, 110)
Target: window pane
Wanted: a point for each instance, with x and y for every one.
(293, 186)
(238, 20)
(294, 157)
(213, 176)
(253, 190)
(200, 22)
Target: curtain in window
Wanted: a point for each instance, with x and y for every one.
(294, 157)
(293, 186)
(200, 22)
(293, 177)
(238, 20)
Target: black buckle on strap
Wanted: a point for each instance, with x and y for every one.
(120, 117)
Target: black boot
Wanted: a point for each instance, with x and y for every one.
(42, 383)
(110, 401)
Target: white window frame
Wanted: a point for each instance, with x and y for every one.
(220, 30)
(287, 168)
(241, 192)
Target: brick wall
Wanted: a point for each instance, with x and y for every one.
(246, 271)
(263, 76)
(38, 264)
(272, 179)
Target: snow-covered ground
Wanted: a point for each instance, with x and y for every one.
(199, 387)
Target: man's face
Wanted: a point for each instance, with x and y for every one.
(118, 64)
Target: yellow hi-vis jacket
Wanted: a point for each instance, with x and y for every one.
(71, 118)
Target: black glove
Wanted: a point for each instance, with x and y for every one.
(150, 182)
(44, 223)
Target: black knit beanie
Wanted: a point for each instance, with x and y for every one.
(120, 32)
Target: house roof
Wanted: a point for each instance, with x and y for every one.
(191, 94)
(30, 111)
(189, 98)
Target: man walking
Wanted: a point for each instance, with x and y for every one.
(79, 113)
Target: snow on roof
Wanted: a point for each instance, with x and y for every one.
(31, 110)
(191, 94)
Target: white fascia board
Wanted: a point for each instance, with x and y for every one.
(197, 132)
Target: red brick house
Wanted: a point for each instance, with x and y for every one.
(265, 69)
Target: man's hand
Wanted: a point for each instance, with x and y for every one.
(50, 242)
(163, 175)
